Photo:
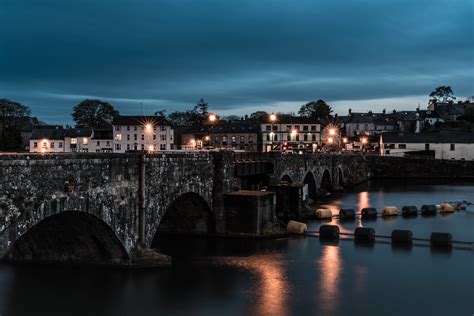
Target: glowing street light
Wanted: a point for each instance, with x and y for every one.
(207, 138)
(212, 118)
(332, 131)
(330, 140)
(364, 140)
(345, 140)
(148, 126)
(294, 132)
(150, 148)
(273, 117)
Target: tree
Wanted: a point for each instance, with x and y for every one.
(259, 116)
(315, 109)
(94, 113)
(186, 118)
(469, 113)
(443, 94)
(11, 115)
(201, 109)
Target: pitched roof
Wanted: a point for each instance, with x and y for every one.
(139, 120)
(432, 138)
(103, 134)
(78, 132)
(226, 127)
(48, 132)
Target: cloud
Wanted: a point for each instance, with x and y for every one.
(238, 55)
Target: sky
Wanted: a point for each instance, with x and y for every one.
(240, 55)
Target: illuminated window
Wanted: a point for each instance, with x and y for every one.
(118, 137)
(73, 141)
(85, 140)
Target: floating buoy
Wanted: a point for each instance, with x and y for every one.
(347, 213)
(295, 227)
(441, 239)
(400, 236)
(369, 212)
(389, 211)
(329, 232)
(364, 234)
(409, 211)
(322, 213)
(428, 209)
(446, 208)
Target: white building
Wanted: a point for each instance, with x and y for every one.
(47, 139)
(77, 140)
(102, 141)
(151, 133)
(440, 145)
(291, 134)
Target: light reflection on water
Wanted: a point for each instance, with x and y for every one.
(330, 267)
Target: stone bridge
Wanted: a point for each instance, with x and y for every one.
(103, 208)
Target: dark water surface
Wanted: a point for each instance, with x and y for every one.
(289, 276)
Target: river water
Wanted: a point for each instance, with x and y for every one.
(287, 276)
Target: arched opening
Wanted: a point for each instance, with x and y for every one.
(188, 214)
(326, 185)
(186, 220)
(286, 178)
(309, 186)
(340, 178)
(68, 237)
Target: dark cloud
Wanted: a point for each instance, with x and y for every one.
(239, 55)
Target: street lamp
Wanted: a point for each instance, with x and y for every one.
(212, 118)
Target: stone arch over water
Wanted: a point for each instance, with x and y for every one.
(326, 183)
(69, 237)
(311, 182)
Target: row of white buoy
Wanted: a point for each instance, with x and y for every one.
(367, 234)
(387, 211)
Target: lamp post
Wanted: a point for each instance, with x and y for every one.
(273, 118)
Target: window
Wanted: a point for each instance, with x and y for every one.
(275, 138)
(427, 146)
(297, 127)
(85, 140)
(35, 145)
(288, 127)
(117, 146)
(233, 139)
(107, 143)
(52, 144)
(143, 147)
(250, 139)
(117, 128)
(305, 137)
(128, 137)
(162, 128)
(288, 137)
(275, 127)
(135, 128)
(268, 137)
(162, 146)
(452, 147)
(402, 146)
(313, 128)
(162, 137)
(134, 136)
(98, 143)
(154, 136)
(60, 145)
(297, 138)
(242, 139)
(117, 137)
(143, 137)
(216, 139)
(128, 146)
(305, 128)
(314, 137)
(269, 128)
(45, 144)
(74, 141)
(128, 128)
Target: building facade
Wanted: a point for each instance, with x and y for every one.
(439, 145)
(292, 134)
(150, 133)
(47, 139)
(236, 135)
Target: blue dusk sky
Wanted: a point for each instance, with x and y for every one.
(240, 55)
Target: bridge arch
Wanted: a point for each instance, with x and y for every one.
(340, 177)
(286, 178)
(69, 237)
(326, 183)
(189, 213)
(310, 181)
